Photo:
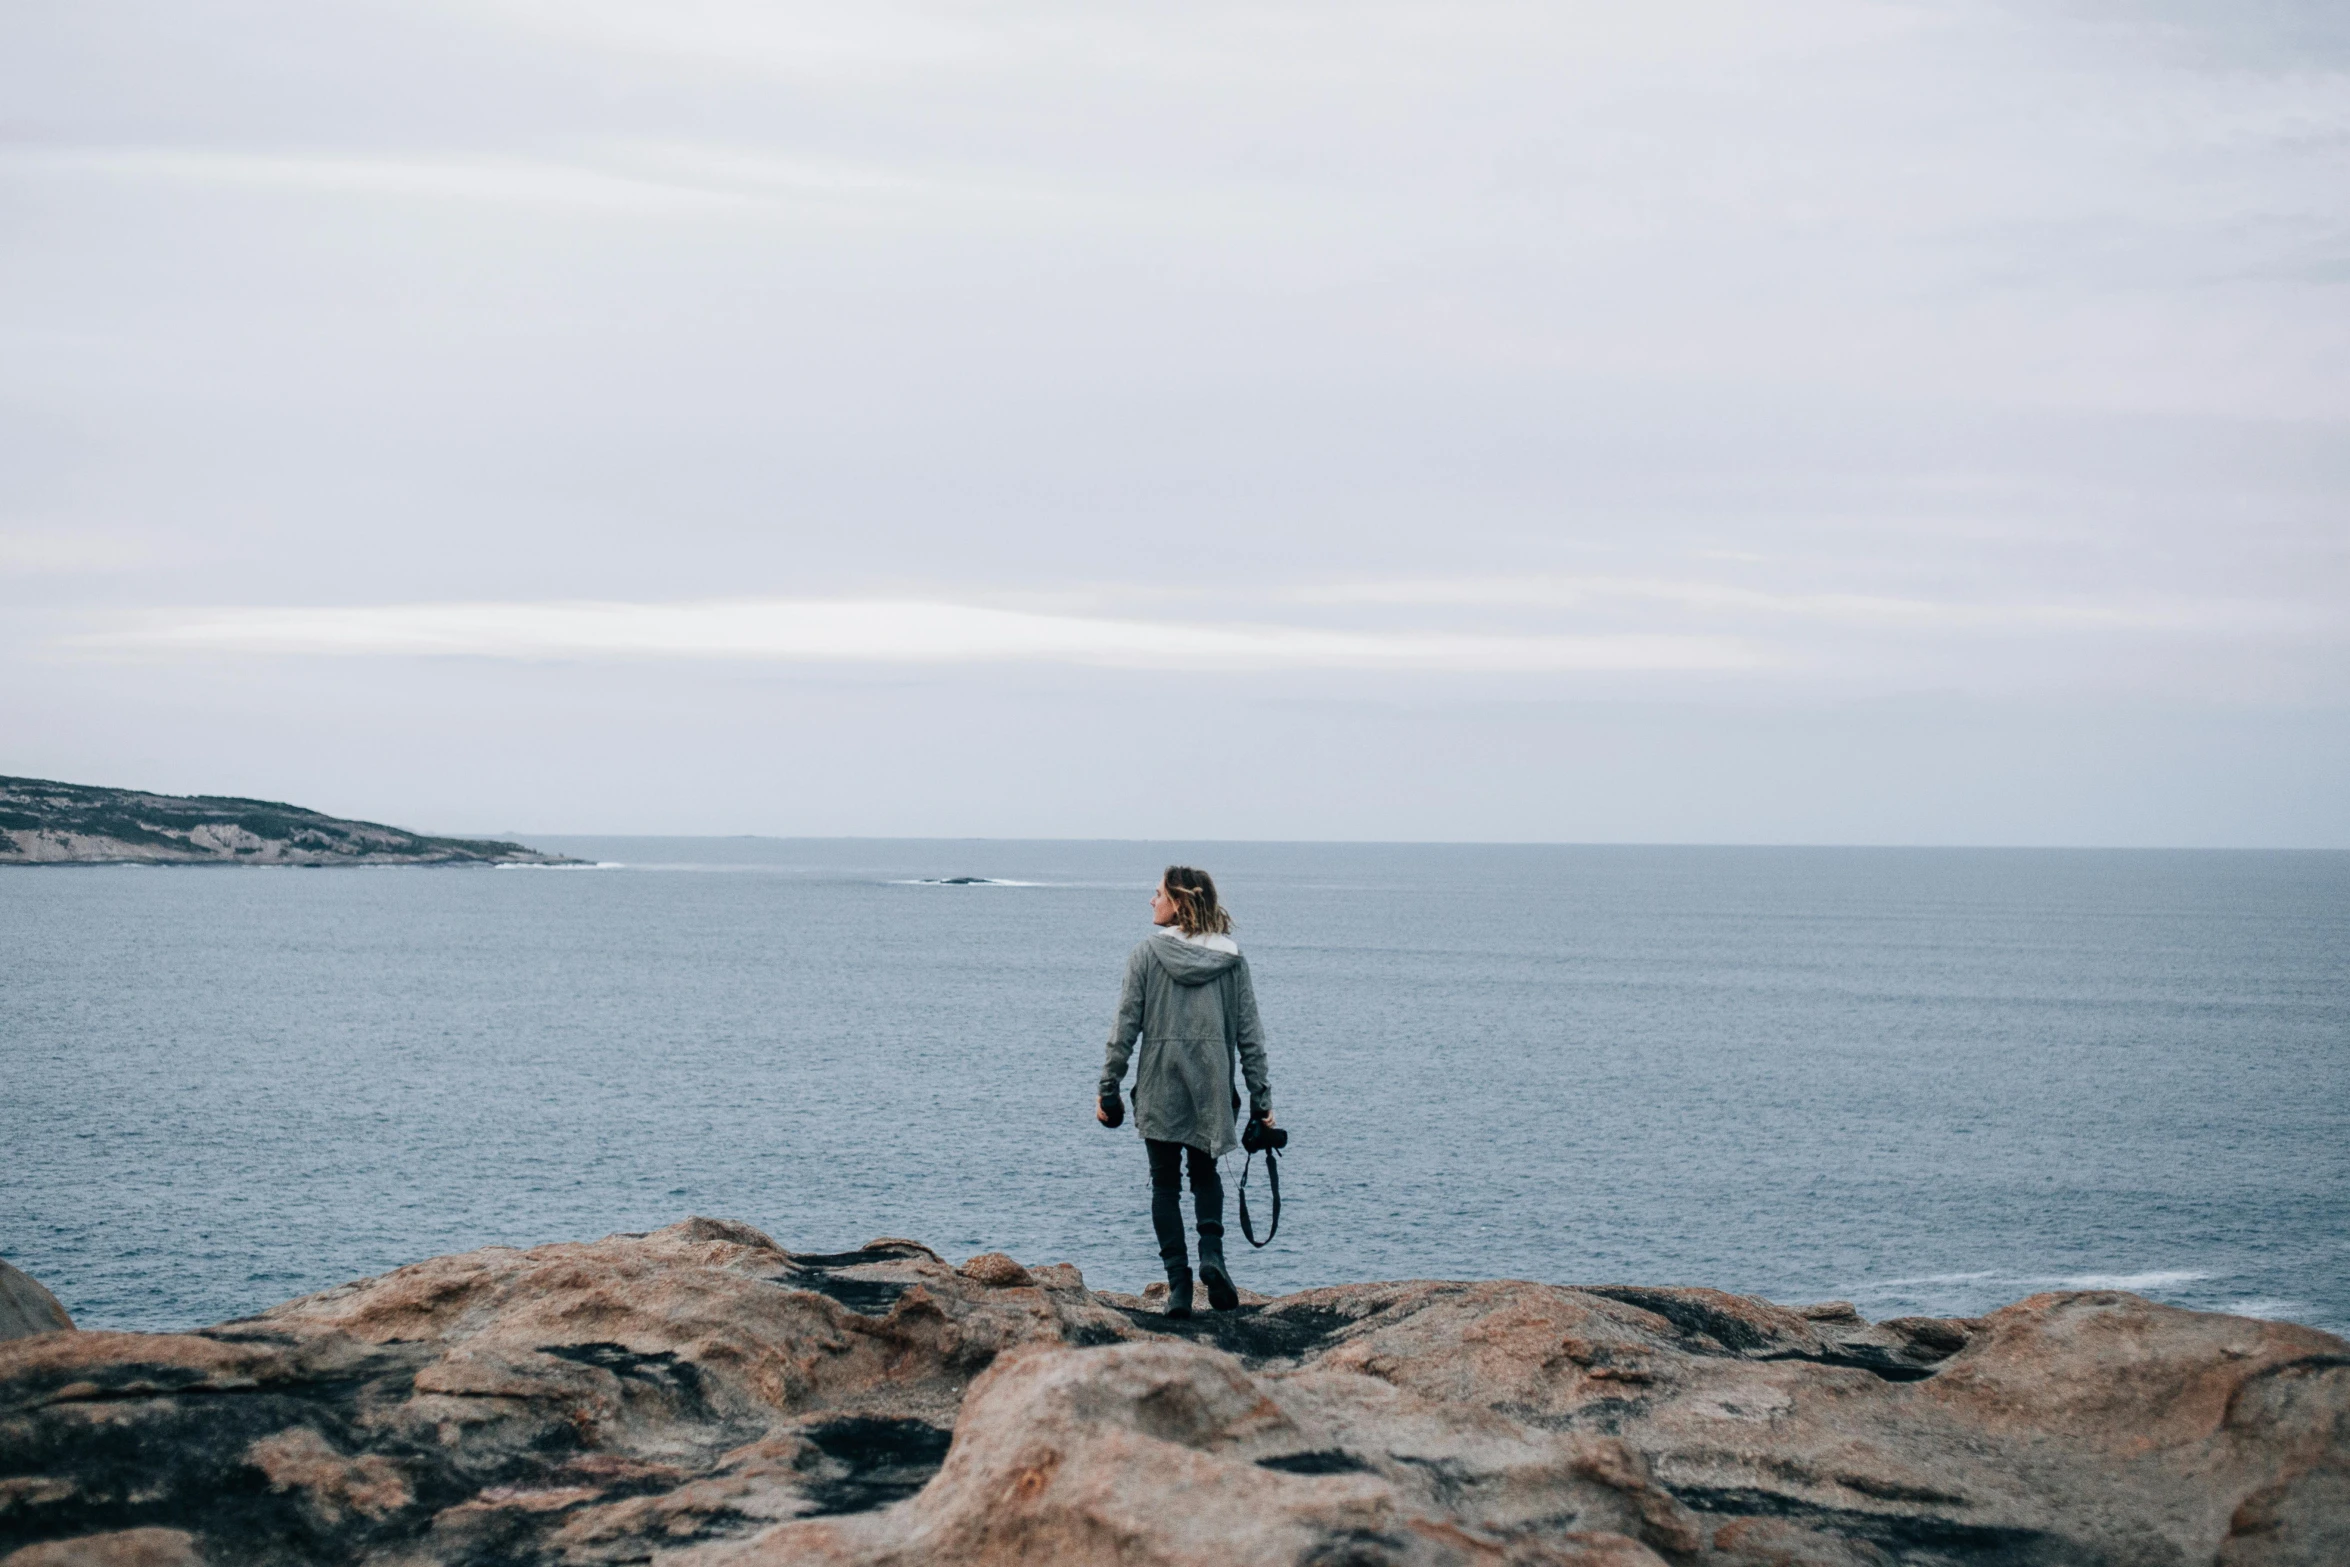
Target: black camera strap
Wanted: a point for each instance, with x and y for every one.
(1273, 1177)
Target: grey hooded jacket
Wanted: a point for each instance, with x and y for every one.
(1195, 1011)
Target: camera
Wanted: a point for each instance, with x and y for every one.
(1257, 1137)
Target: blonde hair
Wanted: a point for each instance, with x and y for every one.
(1193, 892)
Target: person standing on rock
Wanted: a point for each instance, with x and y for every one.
(1187, 997)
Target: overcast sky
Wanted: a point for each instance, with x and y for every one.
(1816, 422)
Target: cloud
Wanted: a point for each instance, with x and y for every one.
(893, 632)
(648, 177)
(1846, 351)
(1885, 611)
(25, 553)
(499, 180)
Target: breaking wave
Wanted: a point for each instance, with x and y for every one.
(2158, 1279)
(2270, 1310)
(2164, 1279)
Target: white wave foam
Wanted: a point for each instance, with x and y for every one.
(2032, 1283)
(2269, 1310)
(2162, 1279)
(600, 865)
(691, 865)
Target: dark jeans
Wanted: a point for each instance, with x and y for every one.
(1207, 1198)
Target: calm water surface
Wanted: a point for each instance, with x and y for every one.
(1920, 1080)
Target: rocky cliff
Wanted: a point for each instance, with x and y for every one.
(47, 823)
(700, 1396)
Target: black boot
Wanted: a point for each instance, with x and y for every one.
(1221, 1295)
(1178, 1290)
(1207, 1203)
(1167, 1220)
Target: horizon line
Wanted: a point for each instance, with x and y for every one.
(1431, 843)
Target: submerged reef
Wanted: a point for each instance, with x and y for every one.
(701, 1396)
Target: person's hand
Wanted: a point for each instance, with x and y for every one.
(1267, 1118)
(1100, 1114)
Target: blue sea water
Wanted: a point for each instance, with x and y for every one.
(1921, 1080)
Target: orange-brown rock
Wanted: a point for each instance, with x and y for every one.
(703, 1398)
(26, 1308)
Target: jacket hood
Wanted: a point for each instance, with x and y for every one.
(1188, 963)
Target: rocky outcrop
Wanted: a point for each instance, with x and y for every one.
(26, 1308)
(699, 1396)
(47, 823)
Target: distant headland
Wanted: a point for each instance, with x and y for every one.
(43, 822)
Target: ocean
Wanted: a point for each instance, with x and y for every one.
(1926, 1081)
